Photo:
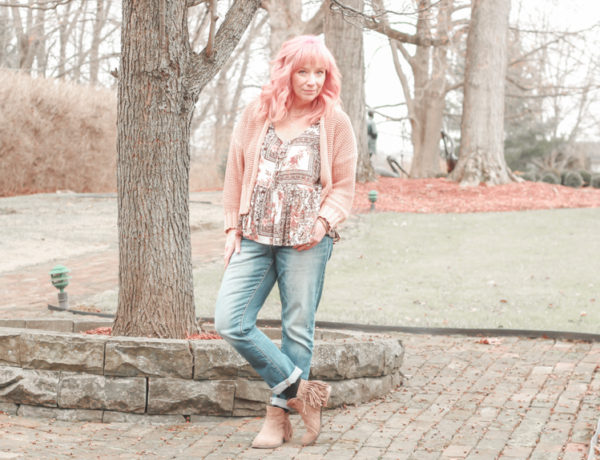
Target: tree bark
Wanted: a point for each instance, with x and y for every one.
(426, 99)
(429, 69)
(285, 20)
(481, 157)
(345, 41)
(159, 81)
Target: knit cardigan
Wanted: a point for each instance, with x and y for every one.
(338, 165)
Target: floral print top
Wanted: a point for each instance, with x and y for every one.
(286, 199)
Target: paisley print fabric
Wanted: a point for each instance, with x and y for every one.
(286, 198)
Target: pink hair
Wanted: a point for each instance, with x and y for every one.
(277, 96)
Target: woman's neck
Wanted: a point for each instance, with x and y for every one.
(298, 110)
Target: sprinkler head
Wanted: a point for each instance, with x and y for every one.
(373, 198)
(60, 280)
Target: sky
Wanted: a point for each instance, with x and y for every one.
(383, 86)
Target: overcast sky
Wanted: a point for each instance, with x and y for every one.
(383, 86)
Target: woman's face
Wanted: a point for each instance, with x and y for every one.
(307, 82)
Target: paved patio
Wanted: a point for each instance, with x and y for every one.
(513, 398)
(463, 397)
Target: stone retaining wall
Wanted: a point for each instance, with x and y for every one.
(49, 368)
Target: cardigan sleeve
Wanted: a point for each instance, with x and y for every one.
(338, 203)
(234, 174)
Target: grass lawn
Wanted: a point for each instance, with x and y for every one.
(522, 270)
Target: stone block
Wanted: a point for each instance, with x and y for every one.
(251, 397)
(245, 408)
(67, 415)
(393, 355)
(8, 408)
(124, 417)
(85, 391)
(187, 397)
(330, 334)
(68, 352)
(347, 360)
(215, 359)
(356, 391)
(86, 325)
(9, 346)
(24, 386)
(14, 323)
(55, 325)
(149, 357)
(252, 390)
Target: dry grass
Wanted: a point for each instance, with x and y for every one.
(55, 136)
(205, 175)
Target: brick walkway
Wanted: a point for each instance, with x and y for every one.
(513, 399)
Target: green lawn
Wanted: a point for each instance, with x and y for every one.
(524, 270)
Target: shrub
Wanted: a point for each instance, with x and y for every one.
(563, 176)
(595, 181)
(530, 176)
(573, 179)
(550, 178)
(56, 135)
(586, 176)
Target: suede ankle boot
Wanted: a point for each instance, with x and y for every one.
(312, 396)
(275, 431)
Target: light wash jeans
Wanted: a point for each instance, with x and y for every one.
(247, 282)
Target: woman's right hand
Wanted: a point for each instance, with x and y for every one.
(232, 243)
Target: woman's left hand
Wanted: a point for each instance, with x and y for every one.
(318, 232)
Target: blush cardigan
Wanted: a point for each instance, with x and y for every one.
(338, 165)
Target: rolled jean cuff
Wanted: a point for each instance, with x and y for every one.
(279, 402)
(295, 375)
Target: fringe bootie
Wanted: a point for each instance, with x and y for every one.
(312, 396)
(275, 430)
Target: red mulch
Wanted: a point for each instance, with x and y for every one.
(445, 196)
(201, 336)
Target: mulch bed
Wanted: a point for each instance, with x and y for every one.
(200, 336)
(445, 196)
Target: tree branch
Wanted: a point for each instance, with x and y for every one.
(314, 26)
(212, 7)
(50, 5)
(202, 67)
(372, 22)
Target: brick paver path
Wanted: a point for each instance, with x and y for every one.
(510, 398)
(515, 398)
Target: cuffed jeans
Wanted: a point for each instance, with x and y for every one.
(247, 282)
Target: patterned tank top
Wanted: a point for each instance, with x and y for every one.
(286, 199)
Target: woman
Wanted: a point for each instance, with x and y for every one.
(289, 183)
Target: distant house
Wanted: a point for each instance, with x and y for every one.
(589, 153)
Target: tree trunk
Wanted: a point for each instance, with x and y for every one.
(102, 9)
(160, 79)
(345, 41)
(481, 156)
(156, 294)
(425, 101)
(285, 21)
(429, 69)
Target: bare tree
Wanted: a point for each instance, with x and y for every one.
(285, 21)
(160, 79)
(345, 41)
(425, 93)
(481, 156)
(426, 99)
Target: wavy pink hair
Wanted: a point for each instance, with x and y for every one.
(277, 96)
